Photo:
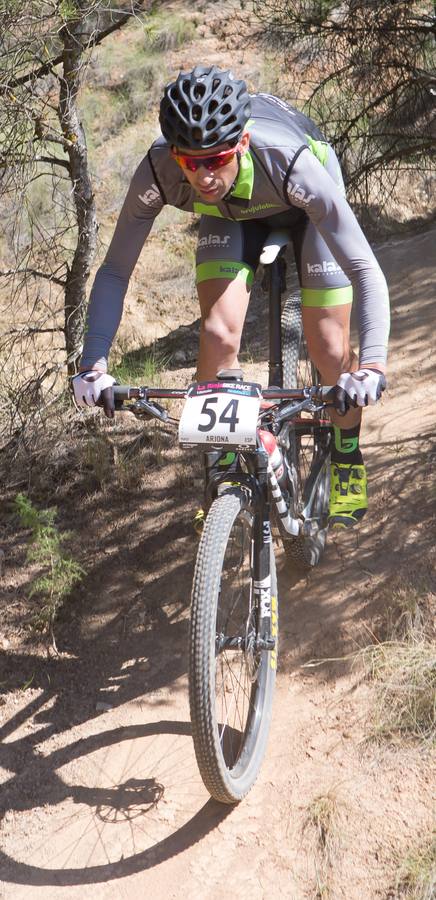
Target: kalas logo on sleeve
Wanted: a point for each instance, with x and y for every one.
(151, 197)
(298, 195)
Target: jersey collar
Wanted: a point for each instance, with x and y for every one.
(244, 183)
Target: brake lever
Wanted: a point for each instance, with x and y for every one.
(151, 410)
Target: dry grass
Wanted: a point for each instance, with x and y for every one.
(404, 673)
(323, 821)
(416, 879)
(403, 666)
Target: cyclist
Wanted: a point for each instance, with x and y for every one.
(247, 164)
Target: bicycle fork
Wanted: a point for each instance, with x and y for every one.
(265, 602)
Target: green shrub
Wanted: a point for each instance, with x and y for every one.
(141, 366)
(168, 32)
(60, 572)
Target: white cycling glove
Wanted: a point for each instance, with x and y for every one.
(90, 387)
(361, 388)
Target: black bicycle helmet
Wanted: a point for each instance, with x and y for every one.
(203, 108)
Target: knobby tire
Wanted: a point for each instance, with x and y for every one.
(229, 748)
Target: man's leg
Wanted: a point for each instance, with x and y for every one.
(223, 306)
(327, 298)
(327, 333)
(227, 257)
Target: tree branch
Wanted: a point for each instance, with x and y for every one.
(60, 281)
(53, 161)
(97, 38)
(26, 332)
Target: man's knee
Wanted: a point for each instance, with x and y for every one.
(330, 350)
(220, 334)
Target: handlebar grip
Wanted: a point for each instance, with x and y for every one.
(327, 393)
(125, 392)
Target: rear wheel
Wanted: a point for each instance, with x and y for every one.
(231, 683)
(308, 455)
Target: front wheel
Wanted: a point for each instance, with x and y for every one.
(231, 682)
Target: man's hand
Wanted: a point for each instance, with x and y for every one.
(94, 388)
(361, 388)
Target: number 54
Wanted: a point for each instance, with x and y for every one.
(227, 417)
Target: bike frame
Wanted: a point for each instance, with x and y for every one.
(275, 278)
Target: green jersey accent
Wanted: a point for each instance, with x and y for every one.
(223, 268)
(250, 210)
(327, 296)
(206, 209)
(320, 149)
(245, 180)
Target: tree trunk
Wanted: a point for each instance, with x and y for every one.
(74, 37)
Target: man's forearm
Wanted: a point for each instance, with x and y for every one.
(103, 317)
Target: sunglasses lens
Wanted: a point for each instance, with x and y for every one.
(192, 163)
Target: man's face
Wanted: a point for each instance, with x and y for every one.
(213, 183)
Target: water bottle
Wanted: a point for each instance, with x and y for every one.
(275, 456)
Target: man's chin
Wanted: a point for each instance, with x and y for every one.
(211, 196)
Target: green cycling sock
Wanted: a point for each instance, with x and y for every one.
(345, 446)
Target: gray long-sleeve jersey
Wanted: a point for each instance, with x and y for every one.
(284, 171)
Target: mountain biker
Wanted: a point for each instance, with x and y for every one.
(247, 164)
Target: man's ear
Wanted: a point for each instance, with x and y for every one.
(244, 142)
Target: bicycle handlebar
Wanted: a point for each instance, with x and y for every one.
(319, 393)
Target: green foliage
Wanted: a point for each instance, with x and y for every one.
(60, 572)
(167, 32)
(68, 10)
(139, 367)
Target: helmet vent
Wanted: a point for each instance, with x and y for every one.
(196, 113)
(199, 91)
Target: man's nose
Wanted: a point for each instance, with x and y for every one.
(204, 174)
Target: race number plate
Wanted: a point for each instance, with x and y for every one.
(223, 413)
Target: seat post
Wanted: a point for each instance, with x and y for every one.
(275, 368)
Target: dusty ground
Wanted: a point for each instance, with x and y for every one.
(106, 801)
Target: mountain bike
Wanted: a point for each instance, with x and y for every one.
(234, 607)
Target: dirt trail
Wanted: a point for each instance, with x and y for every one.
(109, 803)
